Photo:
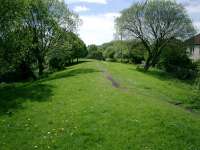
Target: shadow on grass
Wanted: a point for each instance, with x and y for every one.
(67, 67)
(70, 73)
(12, 97)
(159, 74)
(163, 76)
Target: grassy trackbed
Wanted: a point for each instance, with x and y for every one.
(99, 106)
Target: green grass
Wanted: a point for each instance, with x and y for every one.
(79, 109)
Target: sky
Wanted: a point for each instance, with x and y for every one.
(98, 17)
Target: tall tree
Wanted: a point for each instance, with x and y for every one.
(29, 29)
(155, 23)
(46, 19)
(14, 40)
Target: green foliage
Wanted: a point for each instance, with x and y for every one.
(109, 52)
(15, 43)
(136, 52)
(197, 82)
(94, 52)
(78, 47)
(175, 60)
(30, 31)
(58, 58)
(155, 23)
(69, 47)
(124, 51)
(96, 55)
(92, 48)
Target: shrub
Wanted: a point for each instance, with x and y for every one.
(56, 63)
(110, 60)
(109, 53)
(174, 60)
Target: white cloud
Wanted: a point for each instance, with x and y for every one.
(197, 25)
(81, 9)
(98, 29)
(88, 1)
(193, 7)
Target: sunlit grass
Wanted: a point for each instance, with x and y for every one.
(79, 108)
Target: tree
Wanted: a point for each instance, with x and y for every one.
(14, 40)
(46, 19)
(29, 30)
(94, 52)
(60, 53)
(69, 47)
(135, 52)
(92, 48)
(79, 49)
(175, 60)
(109, 52)
(155, 23)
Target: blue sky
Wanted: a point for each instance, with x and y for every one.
(98, 17)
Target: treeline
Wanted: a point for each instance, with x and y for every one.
(158, 25)
(118, 51)
(174, 58)
(154, 33)
(37, 36)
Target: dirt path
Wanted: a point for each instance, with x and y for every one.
(114, 83)
(109, 77)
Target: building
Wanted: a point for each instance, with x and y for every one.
(194, 47)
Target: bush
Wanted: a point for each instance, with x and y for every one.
(195, 100)
(110, 60)
(22, 72)
(109, 53)
(57, 59)
(197, 81)
(97, 55)
(175, 61)
(137, 59)
(56, 63)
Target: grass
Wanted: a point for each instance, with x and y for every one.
(80, 108)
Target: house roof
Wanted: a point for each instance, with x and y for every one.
(195, 40)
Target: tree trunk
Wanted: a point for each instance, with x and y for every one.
(147, 66)
(40, 67)
(156, 59)
(121, 56)
(77, 60)
(148, 63)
